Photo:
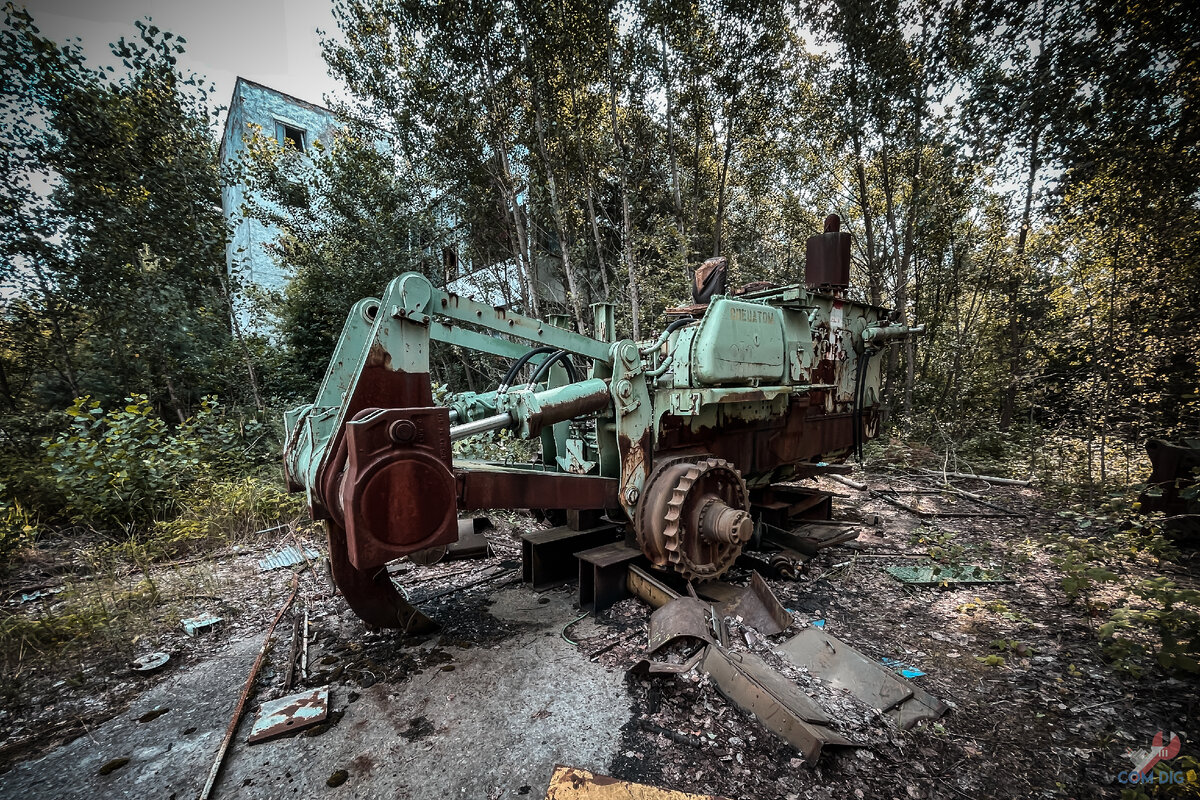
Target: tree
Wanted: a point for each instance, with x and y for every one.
(116, 268)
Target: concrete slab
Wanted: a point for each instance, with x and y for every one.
(497, 722)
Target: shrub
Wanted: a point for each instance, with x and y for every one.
(125, 466)
(215, 512)
(16, 526)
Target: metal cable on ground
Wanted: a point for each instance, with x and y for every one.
(241, 704)
(563, 633)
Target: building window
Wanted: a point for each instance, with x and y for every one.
(290, 136)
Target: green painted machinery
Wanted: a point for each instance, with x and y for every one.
(681, 437)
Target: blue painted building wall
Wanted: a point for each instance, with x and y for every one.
(259, 110)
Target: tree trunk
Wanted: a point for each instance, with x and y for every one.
(1009, 403)
(506, 185)
(721, 188)
(906, 257)
(247, 357)
(864, 203)
(626, 222)
(599, 245)
(674, 162)
(524, 253)
(560, 224)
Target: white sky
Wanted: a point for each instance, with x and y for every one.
(273, 42)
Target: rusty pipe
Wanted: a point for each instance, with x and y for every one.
(882, 334)
(529, 411)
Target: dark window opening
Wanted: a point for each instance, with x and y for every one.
(450, 263)
(290, 136)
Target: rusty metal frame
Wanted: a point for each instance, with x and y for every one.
(602, 575)
(548, 557)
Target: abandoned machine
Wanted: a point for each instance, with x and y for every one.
(676, 448)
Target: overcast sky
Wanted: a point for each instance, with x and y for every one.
(269, 41)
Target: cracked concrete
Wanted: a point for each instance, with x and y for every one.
(497, 722)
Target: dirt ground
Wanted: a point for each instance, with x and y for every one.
(1052, 720)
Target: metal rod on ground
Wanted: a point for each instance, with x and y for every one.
(304, 648)
(842, 479)
(291, 668)
(241, 704)
(454, 589)
(623, 637)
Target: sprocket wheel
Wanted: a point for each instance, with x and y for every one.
(694, 516)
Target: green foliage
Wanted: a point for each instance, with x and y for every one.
(1151, 617)
(125, 466)
(498, 446)
(111, 238)
(17, 526)
(78, 615)
(214, 513)
(1170, 614)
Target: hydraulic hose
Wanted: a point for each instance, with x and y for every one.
(515, 369)
(544, 367)
(674, 326)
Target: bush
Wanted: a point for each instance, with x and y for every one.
(125, 466)
(16, 526)
(223, 511)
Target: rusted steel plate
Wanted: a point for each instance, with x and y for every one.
(756, 604)
(922, 705)
(602, 575)
(780, 707)
(289, 714)
(846, 668)
(548, 557)
(571, 783)
(480, 487)
(649, 588)
(682, 617)
(398, 494)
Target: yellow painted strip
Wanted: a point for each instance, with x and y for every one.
(570, 783)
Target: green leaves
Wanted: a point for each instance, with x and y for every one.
(120, 262)
(126, 467)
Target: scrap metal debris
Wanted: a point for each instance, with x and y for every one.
(241, 703)
(150, 662)
(839, 664)
(778, 704)
(287, 557)
(571, 783)
(755, 604)
(35, 594)
(290, 714)
(938, 575)
(753, 685)
(198, 625)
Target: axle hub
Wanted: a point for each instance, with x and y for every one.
(694, 516)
